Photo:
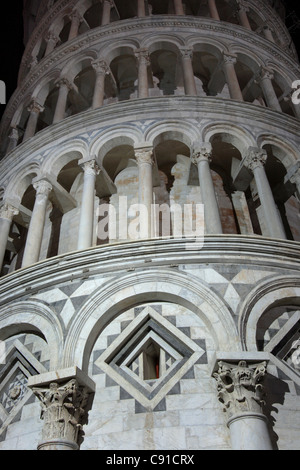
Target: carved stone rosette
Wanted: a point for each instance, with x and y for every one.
(63, 411)
(240, 387)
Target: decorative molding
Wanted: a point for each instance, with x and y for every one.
(281, 255)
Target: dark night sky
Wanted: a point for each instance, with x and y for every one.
(12, 48)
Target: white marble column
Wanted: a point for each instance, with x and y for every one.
(64, 87)
(107, 6)
(241, 392)
(7, 213)
(144, 158)
(52, 40)
(188, 72)
(143, 59)
(178, 6)
(87, 211)
(201, 157)
(101, 69)
(265, 80)
(76, 19)
(242, 14)
(268, 33)
(13, 139)
(141, 11)
(229, 61)
(255, 161)
(37, 223)
(213, 10)
(34, 109)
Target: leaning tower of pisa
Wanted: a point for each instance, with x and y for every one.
(149, 229)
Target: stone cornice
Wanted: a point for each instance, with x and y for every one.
(167, 253)
(158, 108)
(122, 28)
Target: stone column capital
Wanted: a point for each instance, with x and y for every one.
(14, 133)
(254, 158)
(35, 107)
(109, 2)
(75, 16)
(64, 397)
(64, 82)
(52, 37)
(42, 187)
(266, 74)
(100, 66)
(7, 211)
(143, 56)
(144, 155)
(90, 167)
(229, 58)
(242, 5)
(186, 52)
(201, 152)
(240, 386)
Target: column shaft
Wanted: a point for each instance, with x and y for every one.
(86, 223)
(271, 215)
(143, 64)
(52, 40)
(102, 70)
(7, 213)
(75, 23)
(37, 223)
(201, 157)
(188, 72)
(249, 431)
(13, 139)
(178, 7)
(268, 34)
(213, 10)
(242, 15)
(64, 88)
(107, 6)
(141, 11)
(231, 77)
(255, 160)
(268, 90)
(144, 158)
(35, 109)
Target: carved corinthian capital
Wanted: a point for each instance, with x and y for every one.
(254, 158)
(8, 211)
(90, 167)
(202, 151)
(63, 410)
(240, 388)
(42, 187)
(144, 156)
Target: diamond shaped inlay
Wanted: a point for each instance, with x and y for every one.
(149, 357)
